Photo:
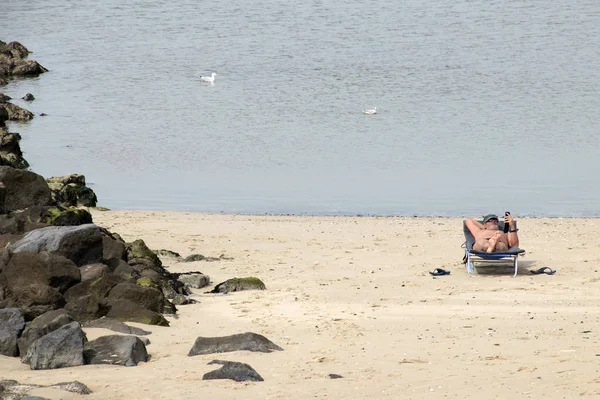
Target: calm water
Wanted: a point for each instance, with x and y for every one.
(483, 105)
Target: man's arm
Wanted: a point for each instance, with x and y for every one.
(511, 236)
(474, 226)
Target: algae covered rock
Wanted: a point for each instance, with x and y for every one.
(238, 284)
(137, 250)
(71, 190)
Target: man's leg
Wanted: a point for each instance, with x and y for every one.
(481, 245)
(494, 241)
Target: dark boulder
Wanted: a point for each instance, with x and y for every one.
(41, 326)
(11, 326)
(81, 244)
(126, 310)
(58, 349)
(115, 350)
(42, 268)
(112, 246)
(71, 190)
(233, 370)
(86, 308)
(33, 300)
(145, 297)
(243, 341)
(14, 49)
(238, 284)
(10, 149)
(99, 288)
(115, 325)
(16, 113)
(23, 189)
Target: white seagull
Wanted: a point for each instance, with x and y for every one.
(208, 79)
(370, 111)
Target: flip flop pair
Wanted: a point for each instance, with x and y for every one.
(439, 272)
(543, 270)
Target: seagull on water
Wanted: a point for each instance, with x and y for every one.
(370, 111)
(208, 79)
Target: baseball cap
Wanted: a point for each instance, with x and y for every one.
(488, 217)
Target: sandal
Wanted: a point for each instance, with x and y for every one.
(543, 270)
(439, 272)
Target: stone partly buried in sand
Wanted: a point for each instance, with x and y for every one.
(233, 370)
(11, 389)
(239, 284)
(248, 341)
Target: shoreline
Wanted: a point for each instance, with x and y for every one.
(327, 215)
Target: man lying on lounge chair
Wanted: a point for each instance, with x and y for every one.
(489, 237)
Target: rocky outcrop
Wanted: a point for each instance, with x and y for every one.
(14, 62)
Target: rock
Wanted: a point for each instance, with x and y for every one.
(71, 191)
(41, 326)
(194, 257)
(11, 326)
(91, 272)
(233, 370)
(125, 310)
(72, 387)
(81, 244)
(23, 189)
(116, 350)
(169, 254)
(42, 268)
(15, 49)
(99, 288)
(58, 349)
(27, 68)
(114, 325)
(112, 247)
(16, 113)
(145, 297)
(87, 307)
(33, 300)
(238, 284)
(10, 148)
(243, 341)
(137, 252)
(13, 390)
(196, 280)
(71, 217)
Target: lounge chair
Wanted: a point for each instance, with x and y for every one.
(483, 259)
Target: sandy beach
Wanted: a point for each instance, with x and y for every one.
(352, 296)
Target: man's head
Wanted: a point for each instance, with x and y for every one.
(490, 221)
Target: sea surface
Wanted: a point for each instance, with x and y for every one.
(483, 105)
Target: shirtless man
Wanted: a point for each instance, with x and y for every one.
(488, 236)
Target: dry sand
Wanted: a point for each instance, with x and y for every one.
(352, 296)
